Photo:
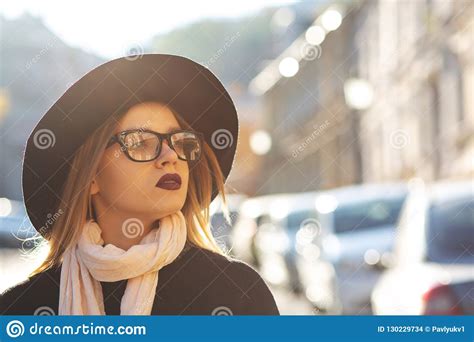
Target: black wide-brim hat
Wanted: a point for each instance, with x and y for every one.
(189, 88)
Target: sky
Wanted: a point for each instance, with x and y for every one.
(109, 28)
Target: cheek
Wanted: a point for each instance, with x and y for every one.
(185, 182)
(116, 177)
(183, 170)
(129, 185)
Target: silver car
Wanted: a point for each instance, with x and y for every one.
(432, 268)
(357, 226)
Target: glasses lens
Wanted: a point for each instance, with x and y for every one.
(141, 146)
(187, 145)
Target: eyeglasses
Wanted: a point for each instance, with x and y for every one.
(142, 145)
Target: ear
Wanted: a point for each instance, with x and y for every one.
(94, 187)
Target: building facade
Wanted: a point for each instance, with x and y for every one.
(417, 57)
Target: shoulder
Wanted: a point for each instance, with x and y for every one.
(221, 264)
(258, 298)
(225, 276)
(39, 292)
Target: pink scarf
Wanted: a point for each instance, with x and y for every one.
(88, 263)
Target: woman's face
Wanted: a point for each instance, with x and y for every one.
(131, 187)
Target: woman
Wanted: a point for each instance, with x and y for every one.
(118, 177)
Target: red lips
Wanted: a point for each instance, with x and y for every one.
(170, 181)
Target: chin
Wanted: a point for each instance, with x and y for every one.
(169, 209)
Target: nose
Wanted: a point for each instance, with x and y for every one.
(167, 155)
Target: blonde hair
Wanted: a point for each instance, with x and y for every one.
(76, 206)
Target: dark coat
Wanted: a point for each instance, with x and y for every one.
(197, 282)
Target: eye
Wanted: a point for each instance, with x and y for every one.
(138, 140)
(143, 143)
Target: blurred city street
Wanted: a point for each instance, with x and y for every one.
(352, 189)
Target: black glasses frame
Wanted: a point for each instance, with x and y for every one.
(119, 138)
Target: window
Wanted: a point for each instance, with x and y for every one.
(367, 215)
(450, 235)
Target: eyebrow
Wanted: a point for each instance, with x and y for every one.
(172, 129)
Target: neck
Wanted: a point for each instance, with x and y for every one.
(122, 230)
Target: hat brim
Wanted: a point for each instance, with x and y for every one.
(191, 89)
